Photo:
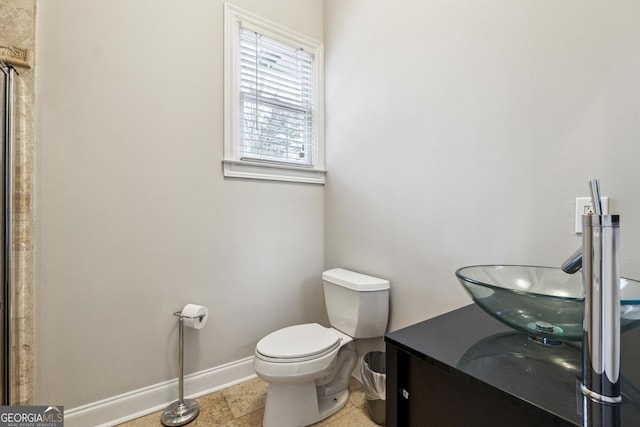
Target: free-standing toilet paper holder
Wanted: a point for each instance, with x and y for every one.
(183, 411)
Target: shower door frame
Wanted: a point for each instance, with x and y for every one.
(7, 229)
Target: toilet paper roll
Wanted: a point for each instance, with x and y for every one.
(195, 316)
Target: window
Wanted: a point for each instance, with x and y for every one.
(274, 118)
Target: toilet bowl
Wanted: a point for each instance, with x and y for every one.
(298, 353)
(308, 366)
(308, 380)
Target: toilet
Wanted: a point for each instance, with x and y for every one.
(308, 366)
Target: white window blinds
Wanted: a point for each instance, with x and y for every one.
(276, 101)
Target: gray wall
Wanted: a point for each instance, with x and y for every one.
(452, 133)
(461, 132)
(134, 216)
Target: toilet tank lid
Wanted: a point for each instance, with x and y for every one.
(356, 281)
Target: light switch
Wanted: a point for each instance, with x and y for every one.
(585, 207)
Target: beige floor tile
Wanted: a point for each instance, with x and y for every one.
(214, 411)
(243, 406)
(355, 417)
(356, 393)
(246, 397)
(252, 419)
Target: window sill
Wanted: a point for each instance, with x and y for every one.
(271, 172)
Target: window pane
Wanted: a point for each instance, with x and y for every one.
(276, 101)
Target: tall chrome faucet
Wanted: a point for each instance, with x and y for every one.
(601, 323)
(573, 264)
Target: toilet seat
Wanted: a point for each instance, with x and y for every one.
(298, 343)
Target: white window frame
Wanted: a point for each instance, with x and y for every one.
(233, 164)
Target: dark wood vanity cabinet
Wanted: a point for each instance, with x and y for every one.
(422, 393)
(442, 372)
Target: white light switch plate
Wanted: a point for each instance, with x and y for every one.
(584, 207)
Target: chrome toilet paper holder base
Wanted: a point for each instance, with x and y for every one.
(182, 411)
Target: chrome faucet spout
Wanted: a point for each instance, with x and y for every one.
(573, 264)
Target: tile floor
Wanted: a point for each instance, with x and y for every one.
(243, 405)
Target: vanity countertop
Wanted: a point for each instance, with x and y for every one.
(469, 342)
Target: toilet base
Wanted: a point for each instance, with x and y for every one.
(331, 404)
(308, 408)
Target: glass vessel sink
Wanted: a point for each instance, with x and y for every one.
(544, 302)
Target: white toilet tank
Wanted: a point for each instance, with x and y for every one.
(357, 304)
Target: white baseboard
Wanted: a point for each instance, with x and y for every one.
(137, 403)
